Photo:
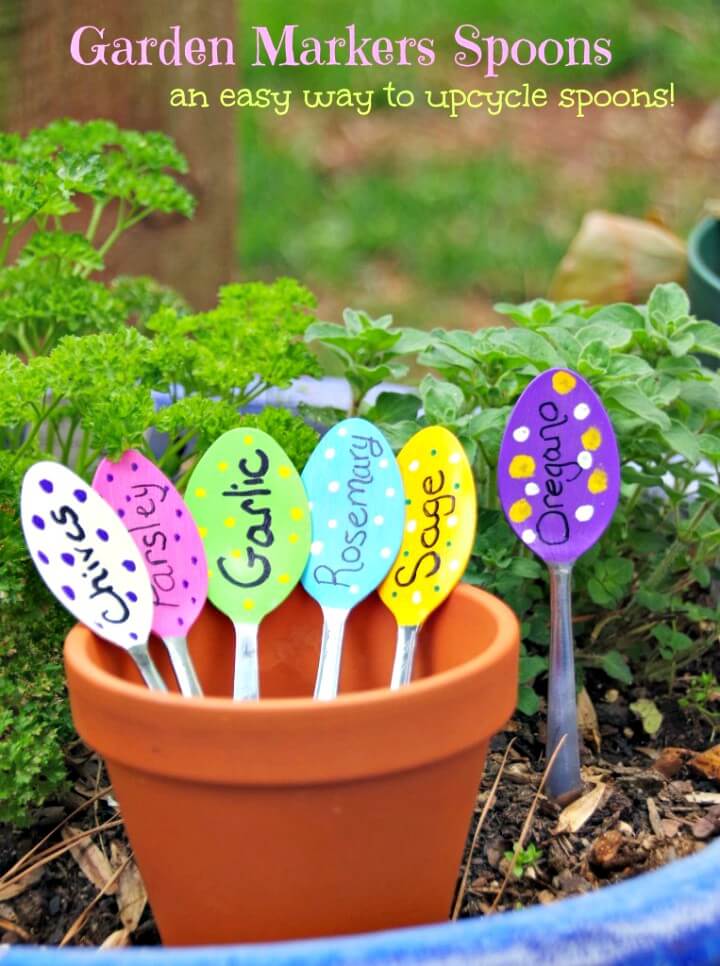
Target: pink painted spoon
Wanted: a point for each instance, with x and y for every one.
(167, 537)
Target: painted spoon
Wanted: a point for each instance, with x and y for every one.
(252, 513)
(559, 482)
(357, 510)
(440, 519)
(167, 537)
(89, 561)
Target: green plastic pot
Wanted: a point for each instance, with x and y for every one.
(704, 269)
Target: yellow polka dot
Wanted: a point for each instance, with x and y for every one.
(203, 532)
(247, 439)
(521, 467)
(520, 511)
(284, 472)
(200, 492)
(296, 513)
(293, 538)
(230, 521)
(563, 383)
(591, 438)
(210, 574)
(248, 604)
(284, 579)
(236, 554)
(222, 466)
(598, 481)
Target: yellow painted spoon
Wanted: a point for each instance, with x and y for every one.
(440, 519)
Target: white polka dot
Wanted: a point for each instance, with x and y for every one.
(310, 504)
(390, 492)
(521, 434)
(378, 520)
(317, 547)
(411, 526)
(342, 432)
(354, 589)
(383, 464)
(454, 565)
(332, 524)
(585, 460)
(528, 536)
(385, 552)
(581, 411)
(414, 466)
(454, 458)
(584, 513)
(329, 453)
(531, 489)
(333, 486)
(416, 597)
(452, 521)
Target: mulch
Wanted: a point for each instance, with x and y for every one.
(647, 803)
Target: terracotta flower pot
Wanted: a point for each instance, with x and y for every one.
(290, 818)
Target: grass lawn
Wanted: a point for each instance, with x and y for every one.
(432, 218)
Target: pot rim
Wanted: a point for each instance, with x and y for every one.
(695, 257)
(76, 655)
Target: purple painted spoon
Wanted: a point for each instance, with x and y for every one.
(170, 545)
(559, 482)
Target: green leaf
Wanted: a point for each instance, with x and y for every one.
(649, 715)
(528, 702)
(668, 303)
(442, 401)
(615, 666)
(391, 407)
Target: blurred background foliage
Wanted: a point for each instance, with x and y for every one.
(434, 219)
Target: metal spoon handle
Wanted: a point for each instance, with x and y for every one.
(246, 686)
(404, 656)
(146, 666)
(564, 781)
(183, 666)
(328, 675)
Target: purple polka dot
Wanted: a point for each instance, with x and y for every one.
(103, 535)
(131, 596)
(193, 600)
(69, 592)
(180, 621)
(178, 513)
(67, 558)
(185, 584)
(134, 636)
(38, 522)
(176, 537)
(127, 499)
(129, 565)
(109, 477)
(42, 557)
(46, 485)
(121, 513)
(193, 561)
(133, 467)
(80, 495)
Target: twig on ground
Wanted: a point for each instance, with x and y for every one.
(82, 918)
(481, 821)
